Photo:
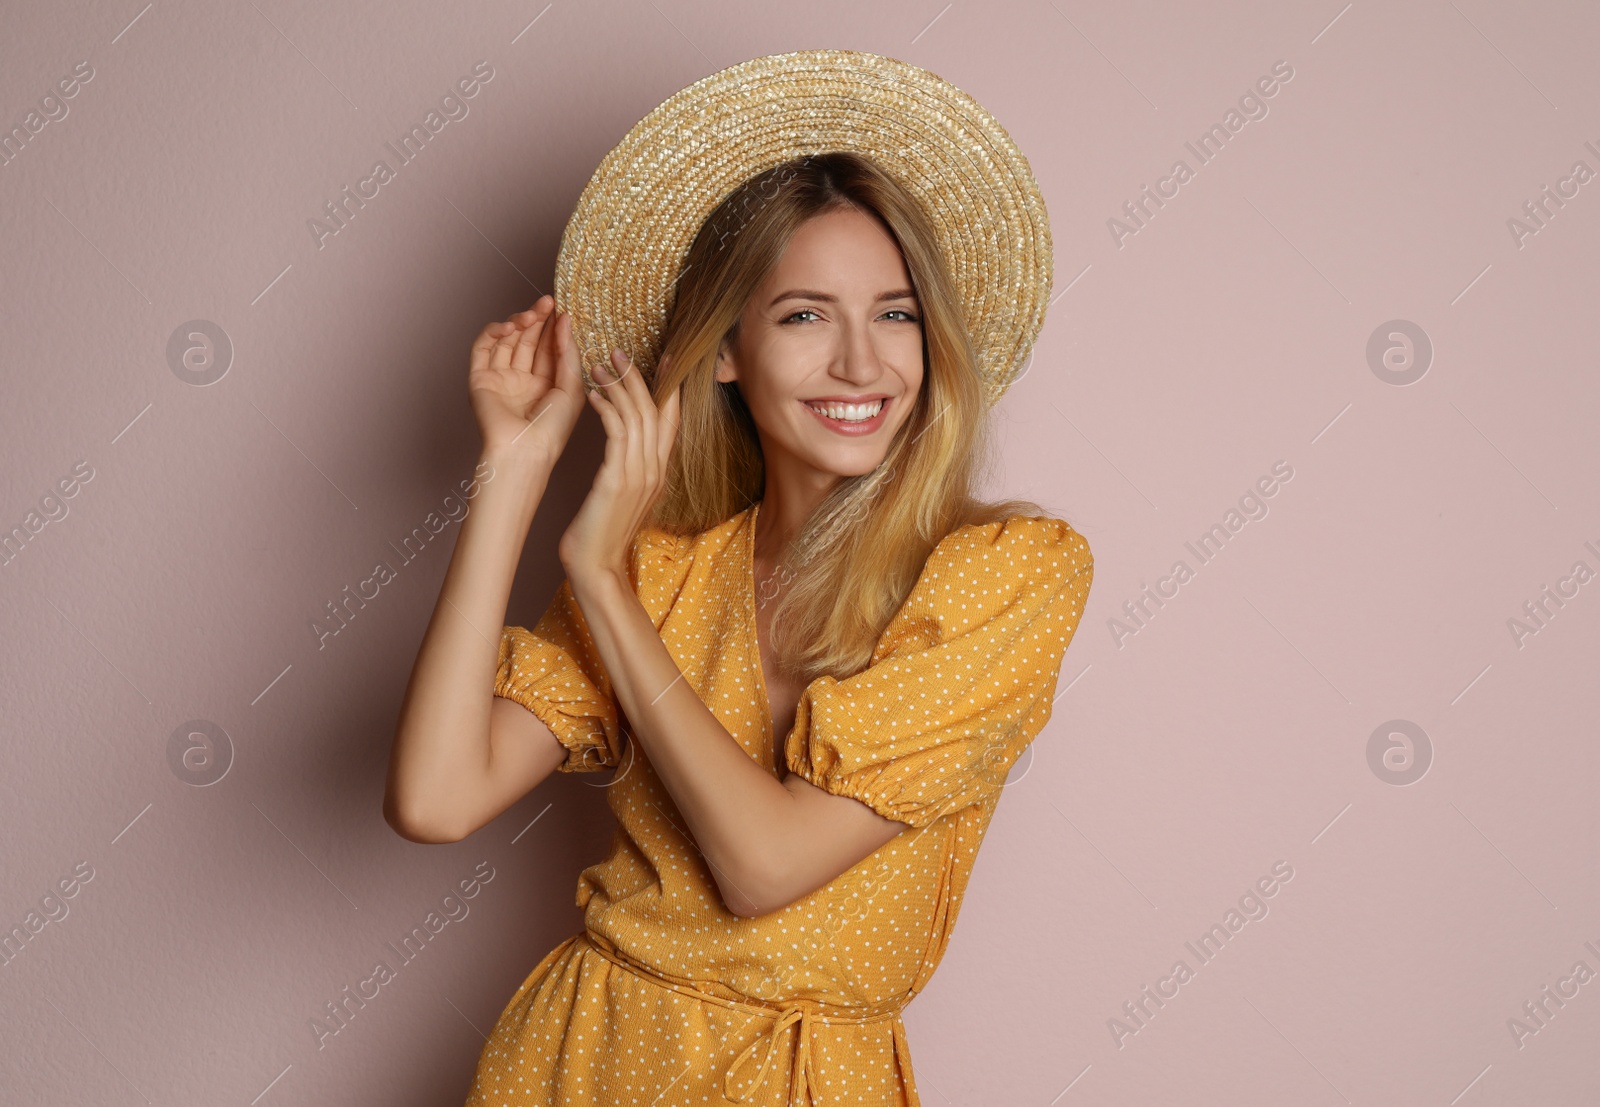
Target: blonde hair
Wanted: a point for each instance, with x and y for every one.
(848, 580)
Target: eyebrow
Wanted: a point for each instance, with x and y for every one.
(813, 294)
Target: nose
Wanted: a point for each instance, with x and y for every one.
(857, 359)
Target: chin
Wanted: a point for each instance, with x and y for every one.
(833, 468)
(840, 458)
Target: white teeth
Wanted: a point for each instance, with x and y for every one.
(849, 413)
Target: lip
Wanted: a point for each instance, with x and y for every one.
(851, 430)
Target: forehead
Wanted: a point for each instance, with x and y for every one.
(841, 250)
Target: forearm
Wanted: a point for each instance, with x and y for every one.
(739, 816)
(441, 746)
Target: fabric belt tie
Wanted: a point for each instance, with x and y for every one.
(804, 1013)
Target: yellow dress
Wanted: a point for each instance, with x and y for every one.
(667, 998)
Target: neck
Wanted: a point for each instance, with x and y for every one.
(785, 506)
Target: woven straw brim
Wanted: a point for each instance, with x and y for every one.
(626, 241)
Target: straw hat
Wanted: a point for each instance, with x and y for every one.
(623, 248)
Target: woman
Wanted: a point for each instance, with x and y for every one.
(780, 544)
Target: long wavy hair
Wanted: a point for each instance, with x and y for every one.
(862, 549)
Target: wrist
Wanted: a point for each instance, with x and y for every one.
(599, 587)
(511, 465)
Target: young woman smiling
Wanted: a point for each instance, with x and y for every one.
(807, 654)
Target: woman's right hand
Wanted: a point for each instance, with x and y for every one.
(524, 383)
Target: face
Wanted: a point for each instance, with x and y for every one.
(836, 320)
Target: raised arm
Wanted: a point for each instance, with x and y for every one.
(929, 730)
(765, 842)
(460, 755)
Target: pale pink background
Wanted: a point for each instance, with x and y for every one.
(1228, 734)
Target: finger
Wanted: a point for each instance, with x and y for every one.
(506, 349)
(621, 365)
(629, 382)
(637, 386)
(562, 364)
(611, 377)
(616, 446)
(538, 319)
(616, 366)
(602, 406)
(544, 347)
(609, 419)
(500, 356)
(614, 389)
(620, 391)
(649, 418)
(484, 344)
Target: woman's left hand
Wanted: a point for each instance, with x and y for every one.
(639, 441)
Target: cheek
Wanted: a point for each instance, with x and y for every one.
(782, 370)
(768, 400)
(772, 406)
(914, 376)
(908, 358)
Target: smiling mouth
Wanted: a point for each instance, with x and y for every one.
(848, 413)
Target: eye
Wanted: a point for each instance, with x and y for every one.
(909, 317)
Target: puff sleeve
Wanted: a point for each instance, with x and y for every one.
(962, 680)
(555, 671)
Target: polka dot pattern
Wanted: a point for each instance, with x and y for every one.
(668, 998)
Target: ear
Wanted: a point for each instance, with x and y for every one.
(726, 371)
